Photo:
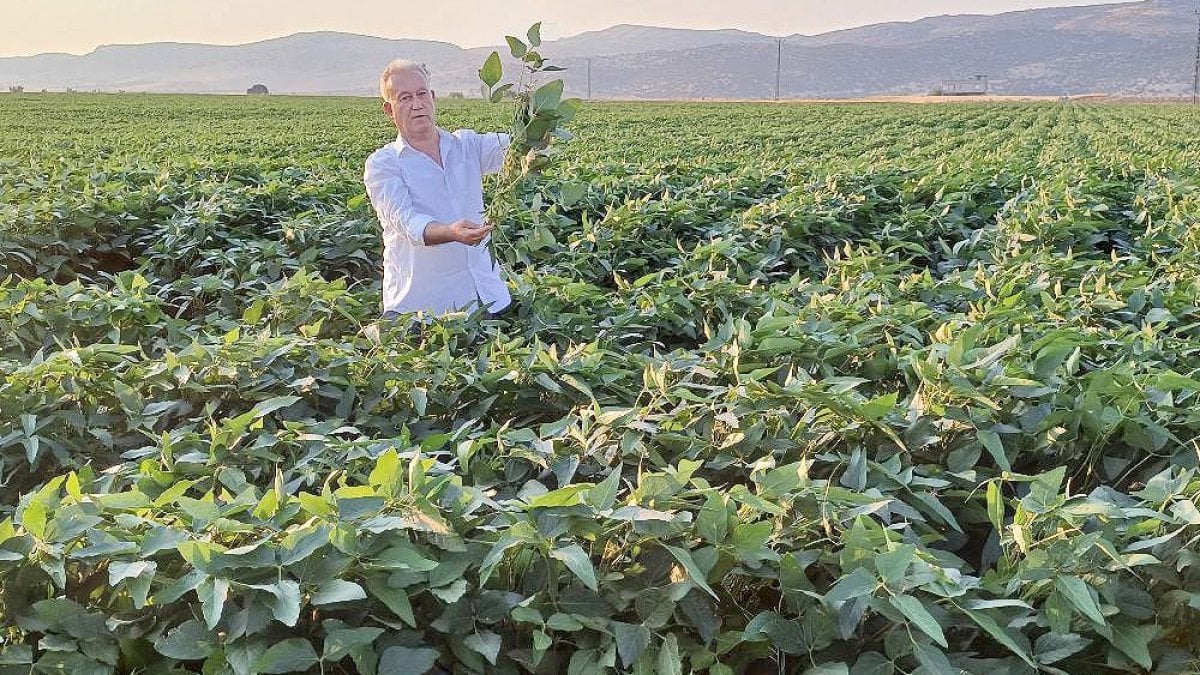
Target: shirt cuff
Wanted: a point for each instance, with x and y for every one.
(416, 227)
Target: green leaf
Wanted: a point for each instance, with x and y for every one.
(534, 35)
(485, 643)
(189, 641)
(264, 408)
(492, 70)
(34, 519)
(858, 583)
(517, 48)
(829, 669)
(872, 663)
(497, 95)
(386, 476)
(603, 496)
(855, 477)
(452, 593)
(548, 96)
(991, 442)
(339, 642)
(569, 108)
(16, 655)
(631, 640)
(878, 408)
(713, 521)
(1133, 641)
(283, 601)
(577, 560)
(995, 506)
(295, 655)
(407, 661)
(934, 660)
(669, 662)
(300, 544)
(694, 573)
(1081, 596)
(750, 538)
(914, 610)
(1001, 635)
(893, 564)
(338, 590)
(396, 599)
(1054, 647)
(212, 594)
(567, 496)
(138, 576)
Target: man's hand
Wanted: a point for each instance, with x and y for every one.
(462, 231)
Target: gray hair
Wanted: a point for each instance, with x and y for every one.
(397, 66)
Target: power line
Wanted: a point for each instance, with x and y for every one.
(1196, 67)
(778, 64)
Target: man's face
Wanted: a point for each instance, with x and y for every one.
(413, 106)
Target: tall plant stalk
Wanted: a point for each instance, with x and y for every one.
(540, 114)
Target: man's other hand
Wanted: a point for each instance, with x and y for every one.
(469, 233)
(462, 231)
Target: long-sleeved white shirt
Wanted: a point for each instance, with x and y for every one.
(408, 191)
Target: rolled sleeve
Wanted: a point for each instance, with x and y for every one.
(492, 149)
(393, 205)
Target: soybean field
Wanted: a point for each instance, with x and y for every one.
(787, 388)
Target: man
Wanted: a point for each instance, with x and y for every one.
(427, 190)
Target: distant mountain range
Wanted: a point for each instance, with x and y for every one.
(1131, 49)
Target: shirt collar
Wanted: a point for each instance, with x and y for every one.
(443, 144)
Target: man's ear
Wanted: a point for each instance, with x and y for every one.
(387, 108)
(433, 95)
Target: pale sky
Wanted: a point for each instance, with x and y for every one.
(79, 26)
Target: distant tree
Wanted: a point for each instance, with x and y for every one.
(455, 94)
(258, 90)
(16, 89)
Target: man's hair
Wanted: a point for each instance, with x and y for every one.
(399, 65)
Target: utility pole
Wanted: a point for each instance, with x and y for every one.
(589, 79)
(778, 64)
(1196, 68)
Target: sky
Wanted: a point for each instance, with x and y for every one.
(79, 26)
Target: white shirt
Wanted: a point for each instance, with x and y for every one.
(409, 190)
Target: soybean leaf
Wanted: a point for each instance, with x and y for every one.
(338, 590)
(547, 96)
(492, 70)
(486, 643)
(577, 560)
(631, 641)
(407, 661)
(694, 573)
(189, 641)
(515, 46)
(1054, 647)
(339, 642)
(914, 610)
(991, 442)
(893, 564)
(1001, 635)
(294, 655)
(1081, 596)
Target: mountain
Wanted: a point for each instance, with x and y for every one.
(1136, 49)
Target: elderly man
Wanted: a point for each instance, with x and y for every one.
(426, 187)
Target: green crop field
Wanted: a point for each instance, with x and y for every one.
(820, 389)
